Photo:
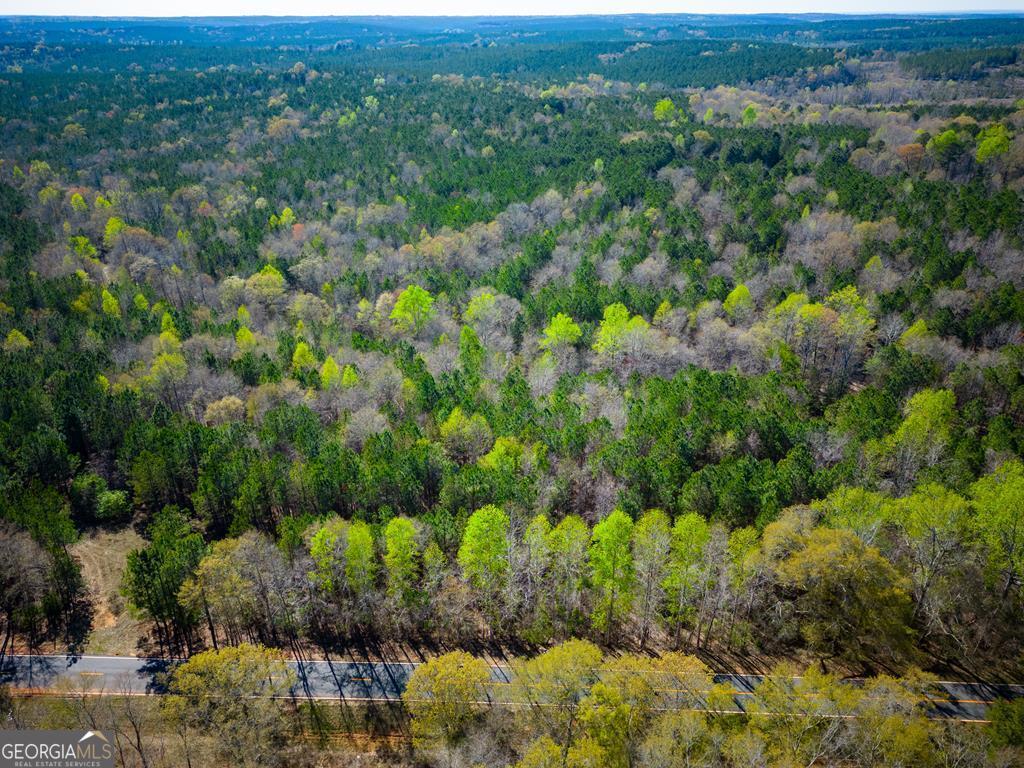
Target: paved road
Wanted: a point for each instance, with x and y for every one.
(381, 681)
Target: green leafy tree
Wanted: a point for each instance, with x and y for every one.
(562, 331)
(232, 694)
(652, 541)
(545, 753)
(327, 550)
(113, 506)
(855, 509)
(444, 696)
(479, 306)
(617, 709)
(245, 340)
(85, 493)
(283, 221)
(466, 438)
(268, 284)
(945, 146)
(552, 687)
(999, 503)
(221, 592)
(402, 557)
(302, 358)
(664, 110)
(611, 570)
(690, 535)
(82, 247)
(615, 326)
(154, 575)
(992, 142)
(739, 305)
(110, 305)
(891, 725)
(542, 753)
(680, 739)
(853, 604)
(1007, 723)
(506, 456)
(166, 374)
(16, 341)
(807, 711)
(330, 374)
(112, 231)
(484, 554)
(567, 544)
(921, 440)
(471, 354)
(413, 309)
(360, 559)
(78, 203)
(934, 524)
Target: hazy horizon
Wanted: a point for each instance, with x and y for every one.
(459, 9)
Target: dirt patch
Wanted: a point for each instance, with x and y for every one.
(102, 555)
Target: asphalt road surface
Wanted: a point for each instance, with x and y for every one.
(379, 681)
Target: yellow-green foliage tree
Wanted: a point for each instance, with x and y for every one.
(444, 696)
(231, 694)
(853, 604)
(111, 306)
(562, 331)
(413, 309)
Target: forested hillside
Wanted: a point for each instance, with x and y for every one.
(667, 334)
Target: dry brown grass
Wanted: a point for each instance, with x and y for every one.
(102, 555)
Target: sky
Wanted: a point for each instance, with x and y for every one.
(484, 7)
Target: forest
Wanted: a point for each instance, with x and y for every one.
(619, 352)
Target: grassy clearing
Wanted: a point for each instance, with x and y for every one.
(102, 554)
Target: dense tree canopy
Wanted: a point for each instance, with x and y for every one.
(675, 336)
